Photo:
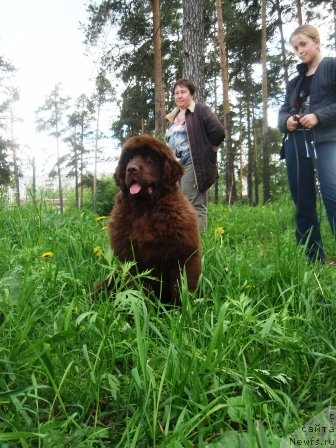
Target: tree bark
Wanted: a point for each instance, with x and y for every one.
(96, 160)
(15, 161)
(158, 78)
(299, 12)
(230, 191)
(334, 21)
(59, 174)
(250, 156)
(282, 42)
(255, 159)
(193, 45)
(266, 156)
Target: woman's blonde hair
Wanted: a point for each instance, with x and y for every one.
(307, 30)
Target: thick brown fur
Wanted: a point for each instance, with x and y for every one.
(152, 222)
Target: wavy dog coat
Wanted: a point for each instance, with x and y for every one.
(152, 222)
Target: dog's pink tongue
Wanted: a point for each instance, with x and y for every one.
(135, 188)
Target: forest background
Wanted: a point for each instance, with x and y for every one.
(235, 52)
(249, 358)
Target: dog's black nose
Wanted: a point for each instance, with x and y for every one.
(131, 169)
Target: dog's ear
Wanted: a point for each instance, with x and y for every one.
(119, 174)
(172, 172)
(132, 143)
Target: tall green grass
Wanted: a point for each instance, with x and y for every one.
(242, 363)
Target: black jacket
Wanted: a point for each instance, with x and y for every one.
(322, 99)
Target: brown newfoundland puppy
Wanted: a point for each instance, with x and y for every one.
(152, 222)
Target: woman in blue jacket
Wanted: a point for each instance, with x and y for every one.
(308, 119)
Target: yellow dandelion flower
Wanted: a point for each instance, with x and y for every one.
(47, 255)
(219, 231)
(97, 251)
(104, 228)
(100, 218)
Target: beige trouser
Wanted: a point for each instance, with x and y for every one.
(199, 199)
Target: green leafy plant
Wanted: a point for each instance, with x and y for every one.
(243, 362)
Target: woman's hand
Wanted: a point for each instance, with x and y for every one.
(292, 122)
(309, 121)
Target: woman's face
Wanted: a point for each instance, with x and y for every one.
(306, 48)
(182, 97)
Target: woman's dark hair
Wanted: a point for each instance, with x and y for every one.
(185, 83)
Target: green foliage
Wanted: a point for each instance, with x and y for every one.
(8, 96)
(106, 192)
(5, 171)
(134, 112)
(130, 57)
(243, 362)
(50, 116)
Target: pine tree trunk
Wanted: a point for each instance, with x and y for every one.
(250, 158)
(250, 164)
(216, 186)
(59, 175)
(34, 179)
(299, 12)
(230, 190)
(158, 78)
(96, 161)
(282, 42)
(81, 169)
(76, 170)
(334, 22)
(15, 163)
(266, 156)
(255, 161)
(241, 174)
(193, 45)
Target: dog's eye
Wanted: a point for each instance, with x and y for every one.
(149, 159)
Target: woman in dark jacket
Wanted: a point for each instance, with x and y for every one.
(308, 119)
(194, 133)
